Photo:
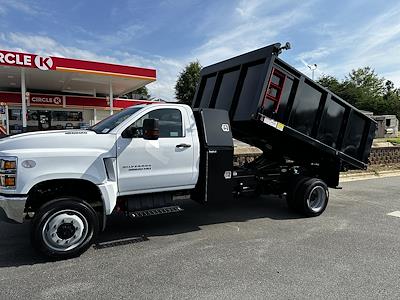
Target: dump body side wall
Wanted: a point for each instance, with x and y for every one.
(273, 106)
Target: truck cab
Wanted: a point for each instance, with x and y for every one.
(158, 161)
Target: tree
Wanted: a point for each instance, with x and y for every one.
(390, 91)
(366, 79)
(141, 93)
(366, 90)
(186, 84)
(331, 83)
(344, 89)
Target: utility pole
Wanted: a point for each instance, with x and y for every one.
(312, 67)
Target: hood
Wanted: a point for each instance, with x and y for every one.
(57, 141)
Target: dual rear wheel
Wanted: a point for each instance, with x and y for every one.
(308, 196)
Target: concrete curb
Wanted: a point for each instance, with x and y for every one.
(369, 175)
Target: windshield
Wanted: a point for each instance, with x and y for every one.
(108, 124)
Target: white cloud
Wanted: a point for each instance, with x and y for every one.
(318, 53)
(48, 46)
(264, 26)
(246, 8)
(18, 5)
(252, 8)
(167, 68)
(252, 24)
(376, 44)
(254, 28)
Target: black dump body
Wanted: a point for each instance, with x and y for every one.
(274, 107)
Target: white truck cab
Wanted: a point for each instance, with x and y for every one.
(70, 180)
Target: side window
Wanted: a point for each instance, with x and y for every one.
(169, 120)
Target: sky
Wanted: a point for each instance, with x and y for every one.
(166, 35)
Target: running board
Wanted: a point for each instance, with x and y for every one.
(155, 211)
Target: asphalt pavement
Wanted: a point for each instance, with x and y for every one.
(252, 249)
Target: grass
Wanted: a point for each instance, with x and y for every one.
(394, 140)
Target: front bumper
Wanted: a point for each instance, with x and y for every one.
(12, 208)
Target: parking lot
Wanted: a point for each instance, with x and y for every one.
(252, 249)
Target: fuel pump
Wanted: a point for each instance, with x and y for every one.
(4, 131)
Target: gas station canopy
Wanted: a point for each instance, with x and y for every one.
(36, 87)
(70, 75)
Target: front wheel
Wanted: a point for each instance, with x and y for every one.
(64, 228)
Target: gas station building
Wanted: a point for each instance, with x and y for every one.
(42, 93)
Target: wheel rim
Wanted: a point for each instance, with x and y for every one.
(65, 230)
(317, 199)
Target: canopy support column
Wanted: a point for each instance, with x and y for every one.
(111, 99)
(23, 100)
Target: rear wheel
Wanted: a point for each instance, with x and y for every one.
(309, 196)
(294, 185)
(64, 228)
(313, 197)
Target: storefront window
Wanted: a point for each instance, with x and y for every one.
(66, 116)
(15, 114)
(32, 115)
(54, 120)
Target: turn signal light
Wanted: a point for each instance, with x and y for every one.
(9, 165)
(9, 181)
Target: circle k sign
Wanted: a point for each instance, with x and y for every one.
(26, 60)
(46, 100)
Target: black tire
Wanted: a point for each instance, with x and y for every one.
(312, 197)
(293, 187)
(64, 228)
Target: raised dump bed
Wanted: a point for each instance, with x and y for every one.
(277, 108)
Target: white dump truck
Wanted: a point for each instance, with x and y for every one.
(140, 160)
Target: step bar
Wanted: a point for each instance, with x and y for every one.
(155, 211)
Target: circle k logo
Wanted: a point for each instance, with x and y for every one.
(43, 63)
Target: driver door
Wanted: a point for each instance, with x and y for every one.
(157, 165)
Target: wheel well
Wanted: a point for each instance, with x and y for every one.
(46, 191)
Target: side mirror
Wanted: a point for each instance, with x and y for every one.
(151, 130)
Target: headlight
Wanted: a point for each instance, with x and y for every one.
(8, 172)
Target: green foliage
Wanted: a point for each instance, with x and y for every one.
(186, 84)
(368, 80)
(366, 90)
(141, 93)
(394, 140)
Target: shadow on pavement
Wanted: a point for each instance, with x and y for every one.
(15, 248)
(196, 215)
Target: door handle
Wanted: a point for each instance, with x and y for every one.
(183, 146)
